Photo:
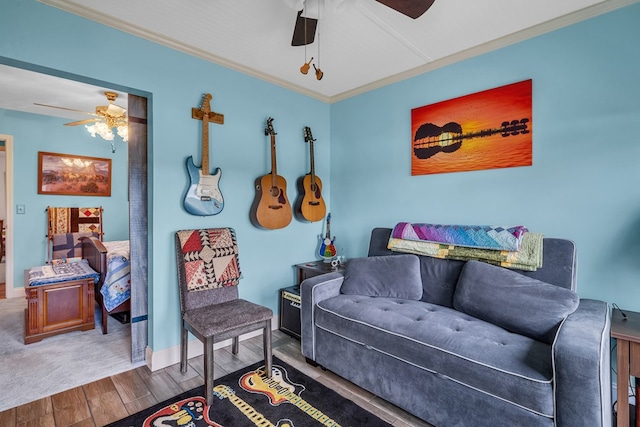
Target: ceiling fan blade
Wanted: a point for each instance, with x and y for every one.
(299, 38)
(64, 108)
(82, 122)
(411, 8)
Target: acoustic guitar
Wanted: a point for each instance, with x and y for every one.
(271, 208)
(310, 205)
(203, 195)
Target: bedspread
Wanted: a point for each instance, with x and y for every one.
(116, 288)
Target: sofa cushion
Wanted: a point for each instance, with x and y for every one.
(513, 301)
(384, 276)
(477, 354)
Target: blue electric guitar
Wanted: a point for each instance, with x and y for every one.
(203, 196)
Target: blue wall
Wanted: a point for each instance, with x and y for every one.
(45, 36)
(584, 182)
(33, 133)
(582, 185)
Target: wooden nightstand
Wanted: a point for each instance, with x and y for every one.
(627, 334)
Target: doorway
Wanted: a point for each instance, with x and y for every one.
(138, 146)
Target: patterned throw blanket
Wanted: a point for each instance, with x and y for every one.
(472, 236)
(62, 272)
(528, 258)
(210, 258)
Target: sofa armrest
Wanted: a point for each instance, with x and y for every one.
(582, 367)
(312, 291)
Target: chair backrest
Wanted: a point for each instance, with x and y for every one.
(208, 267)
(66, 225)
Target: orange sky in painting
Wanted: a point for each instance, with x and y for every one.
(483, 110)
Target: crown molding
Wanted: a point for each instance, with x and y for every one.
(546, 27)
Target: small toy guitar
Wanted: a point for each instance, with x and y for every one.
(203, 196)
(327, 248)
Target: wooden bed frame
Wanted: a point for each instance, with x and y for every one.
(96, 254)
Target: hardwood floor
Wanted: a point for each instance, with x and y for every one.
(110, 399)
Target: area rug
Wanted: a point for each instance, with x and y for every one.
(247, 398)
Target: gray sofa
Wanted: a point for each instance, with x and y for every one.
(464, 343)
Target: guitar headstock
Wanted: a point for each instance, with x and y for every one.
(307, 134)
(269, 129)
(205, 107)
(223, 391)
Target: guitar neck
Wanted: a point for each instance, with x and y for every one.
(205, 144)
(312, 161)
(274, 166)
(328, 227)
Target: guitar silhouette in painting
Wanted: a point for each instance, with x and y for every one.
(271, 208)
(203, 196)
(310, 205)
(431, 139)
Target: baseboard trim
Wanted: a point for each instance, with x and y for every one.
(160, 359)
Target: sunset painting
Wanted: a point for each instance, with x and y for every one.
(485, 130)
(69, 174)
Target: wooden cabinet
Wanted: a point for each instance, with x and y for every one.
(626, 331)
(58, 308)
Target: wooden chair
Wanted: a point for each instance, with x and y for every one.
(66, 225)
(208, 275)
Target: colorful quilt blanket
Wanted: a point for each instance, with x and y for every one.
(62, 272)
(528, 258)
(472, 236)
(116, 288)
(210, 258)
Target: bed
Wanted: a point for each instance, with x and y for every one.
(111, 261)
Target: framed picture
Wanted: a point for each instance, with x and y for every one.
(484, 130)
(71, 175)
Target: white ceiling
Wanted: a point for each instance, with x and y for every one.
(362, 44)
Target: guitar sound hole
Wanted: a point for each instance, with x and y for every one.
(275, 191)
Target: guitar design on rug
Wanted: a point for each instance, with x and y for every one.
(193, 412)
(271, 208)
(310, 205)
(431, 139)
(327, 247)
(225, 392)
(280, 390)
(203, 196)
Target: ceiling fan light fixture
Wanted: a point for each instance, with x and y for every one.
(101, 129)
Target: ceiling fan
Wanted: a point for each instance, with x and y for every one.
(305, 27)
(106, 118)
(113, 115)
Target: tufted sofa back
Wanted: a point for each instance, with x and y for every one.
(440, 276)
